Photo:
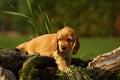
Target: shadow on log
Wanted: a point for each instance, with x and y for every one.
(12, 59)
(35, 67)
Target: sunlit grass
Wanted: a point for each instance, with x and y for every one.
(91, 47)
(11, 42)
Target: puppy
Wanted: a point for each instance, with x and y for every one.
(60, 46)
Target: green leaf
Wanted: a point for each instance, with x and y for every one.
(18, 14)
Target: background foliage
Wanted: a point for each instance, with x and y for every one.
(88, 18)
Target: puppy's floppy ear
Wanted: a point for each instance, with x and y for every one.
(57, 41)
(76, 45)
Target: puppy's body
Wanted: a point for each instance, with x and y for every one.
(59, 45)
(33, 46)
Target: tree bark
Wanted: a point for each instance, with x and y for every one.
(107, 64)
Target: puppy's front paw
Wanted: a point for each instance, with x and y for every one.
(67, 70)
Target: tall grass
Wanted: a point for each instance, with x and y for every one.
(31, 20)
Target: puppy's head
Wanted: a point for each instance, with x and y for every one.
(67, 40)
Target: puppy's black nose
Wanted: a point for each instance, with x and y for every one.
(64, 48)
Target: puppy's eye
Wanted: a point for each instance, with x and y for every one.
(69, 40)
(60, 38)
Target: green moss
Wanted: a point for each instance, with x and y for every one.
(33, 70)
(77, 73)
(36, 68)
(29, 70)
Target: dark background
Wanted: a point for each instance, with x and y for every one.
(87, 17)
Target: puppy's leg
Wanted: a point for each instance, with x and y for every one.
(61, 62)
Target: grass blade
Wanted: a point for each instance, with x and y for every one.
(31, 13)
(34, 27)
(39, 8)
(47, 28)
(30, 9)
(18, 14)
(65, 24)
(48, 19)
(49, 23)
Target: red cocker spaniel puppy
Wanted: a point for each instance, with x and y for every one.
(60, 46)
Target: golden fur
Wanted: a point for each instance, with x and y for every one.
(60, 46)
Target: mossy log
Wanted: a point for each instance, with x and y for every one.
(35, 67)
(16, 61)
(44, 68)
